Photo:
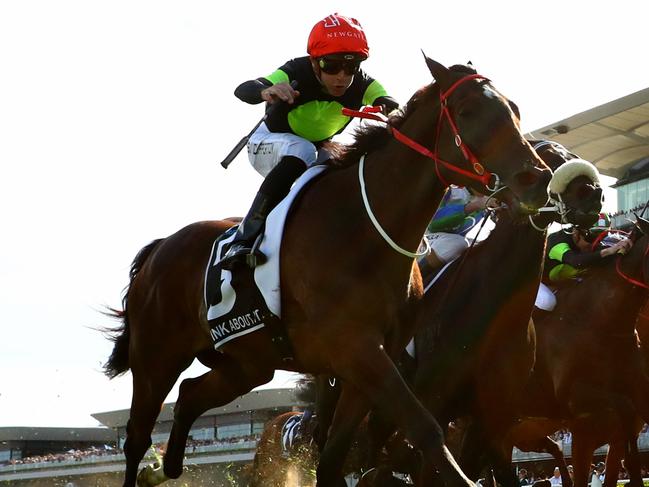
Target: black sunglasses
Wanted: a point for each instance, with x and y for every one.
(335, 66)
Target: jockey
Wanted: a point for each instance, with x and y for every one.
(570, 254)
(290, 139)
(459, 211)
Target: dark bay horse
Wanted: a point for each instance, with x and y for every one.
(475, 344)
(329, 243)
(590, 375)
(477, 348)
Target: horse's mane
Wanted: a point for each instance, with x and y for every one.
(372, 137)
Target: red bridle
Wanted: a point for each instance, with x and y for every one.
(630, 280)
(479, 172)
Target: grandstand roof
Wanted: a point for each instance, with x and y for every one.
(255, 400)
(613, 136)
(29, 433)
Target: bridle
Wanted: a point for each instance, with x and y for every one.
(478, 173)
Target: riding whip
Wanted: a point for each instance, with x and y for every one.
(242, 143)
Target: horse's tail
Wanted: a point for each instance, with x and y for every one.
(118, 362)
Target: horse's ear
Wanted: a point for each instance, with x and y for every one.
(642, 224)
(439, 71)
(515, 109)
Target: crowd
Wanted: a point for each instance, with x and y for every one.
(81, 455)
(597, 474)
(74, 455)
(635, 209)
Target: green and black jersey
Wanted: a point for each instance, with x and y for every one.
(564, 260)
(315, 115)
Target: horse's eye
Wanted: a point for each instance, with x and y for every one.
(466, 111)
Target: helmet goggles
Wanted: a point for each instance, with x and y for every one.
(333, 64)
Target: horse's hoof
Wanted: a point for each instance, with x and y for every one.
(151, 475)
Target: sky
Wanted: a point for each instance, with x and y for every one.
(114, 117)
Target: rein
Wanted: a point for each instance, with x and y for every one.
(627, 278)
(618, 269)
(377, 225)
(479, 173)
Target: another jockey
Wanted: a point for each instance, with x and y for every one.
(459, 211)
(289, 141)
(570, 254)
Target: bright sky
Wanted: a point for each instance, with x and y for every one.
(114, 116)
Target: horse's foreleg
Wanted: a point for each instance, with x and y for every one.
(370, 369)
(349, 412)
(327, 395)
(213, 389)
(378, 432)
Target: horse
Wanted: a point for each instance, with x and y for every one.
(276, 459)
(590, 375)
(478, 343)
(469, 131)
(475, 342)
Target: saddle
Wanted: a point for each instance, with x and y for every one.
(244, 300)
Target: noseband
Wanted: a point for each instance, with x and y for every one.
(479, 172)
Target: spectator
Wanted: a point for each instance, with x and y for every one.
(597, 475)
(555, 480)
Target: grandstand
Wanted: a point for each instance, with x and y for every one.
(221, 442)
(614, 137)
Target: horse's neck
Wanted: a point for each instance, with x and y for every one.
(402, 185)
(520, 247)
(606, 298)
(630, 297)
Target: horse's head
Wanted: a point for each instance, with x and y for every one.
(479, 132)
(575, 188)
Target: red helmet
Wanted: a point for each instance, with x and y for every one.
(335, 34)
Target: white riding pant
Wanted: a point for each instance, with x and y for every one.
(545, 298)
(447, 246)
(266, 149)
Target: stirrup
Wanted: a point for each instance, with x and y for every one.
(252, 257)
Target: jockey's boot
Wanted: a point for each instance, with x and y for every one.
(275, 187)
